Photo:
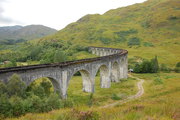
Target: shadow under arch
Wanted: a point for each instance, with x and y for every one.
(87, 82)
(115, 73)
(79, 87)
(104, 76)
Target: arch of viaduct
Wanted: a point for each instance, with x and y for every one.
(112, 64)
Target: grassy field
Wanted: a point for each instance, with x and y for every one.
(160, 101)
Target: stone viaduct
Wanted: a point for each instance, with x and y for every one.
(112, 64)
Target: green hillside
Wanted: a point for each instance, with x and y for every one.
(146, 29)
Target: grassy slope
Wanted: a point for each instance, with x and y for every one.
(160, 101)
(156, 22)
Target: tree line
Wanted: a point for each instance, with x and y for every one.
(16, 98)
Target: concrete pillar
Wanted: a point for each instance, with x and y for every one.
(105, 77)
(115, 72)
(64, 85)
(121, 68)
(125, 66)
(88, 85)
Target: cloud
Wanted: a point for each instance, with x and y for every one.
(4, 19)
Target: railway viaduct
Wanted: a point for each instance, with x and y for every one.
(112, 64)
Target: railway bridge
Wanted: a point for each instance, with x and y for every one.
(112, 64)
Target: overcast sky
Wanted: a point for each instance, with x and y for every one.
(54, 13)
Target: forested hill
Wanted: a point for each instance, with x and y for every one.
(13, 34)
(145, 29)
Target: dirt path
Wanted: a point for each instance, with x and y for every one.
(137, 95)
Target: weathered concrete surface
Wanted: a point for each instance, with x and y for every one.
(112, 65)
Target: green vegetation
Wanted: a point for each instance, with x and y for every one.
(133, 41)
(40, 97)
(147, 66)
(160, 101)
(177, 68)
(16, 98)
(147, 29)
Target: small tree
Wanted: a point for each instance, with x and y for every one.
(3, 88)
(47, 86)
(59, 56)
(15, 86)
(178, 64)
(154, 65)
(177, 68)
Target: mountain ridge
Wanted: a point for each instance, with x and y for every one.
(28, 32)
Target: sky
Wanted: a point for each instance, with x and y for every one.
(54, 13)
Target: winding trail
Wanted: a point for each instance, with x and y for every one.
(137, 95)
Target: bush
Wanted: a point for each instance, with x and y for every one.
(37, 103)
(158, 81)
(5, 106)
(178, 64)
(67, 103)
(134, 41)
(79, 115)
(164, 68)
(177, 69)
(3, 89)
(17, 106)
(15, 86)
(115, 97)
(54, 102)
(147, 66)
(90, 101)
(148, 44)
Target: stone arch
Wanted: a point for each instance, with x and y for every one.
(87, 81)
(115, 72)
(54, 82)
(104, 76)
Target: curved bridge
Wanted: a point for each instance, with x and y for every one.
(112, 64)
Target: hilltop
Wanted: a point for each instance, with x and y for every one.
(146, 29)
(13, 34)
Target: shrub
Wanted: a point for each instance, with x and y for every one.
(80, 115)
(134, 41)
(105, 40)
(5, 106)
(17, 106)
(158, 81)
(67, 103)
(15, 86)
(90, 101)
(36, 103)
(178, 64)
(147, 66)
(148, 44)
(3, 88)
(164, 68)
(177, 69)
(115, 97)
(53, 102)
(46, 86)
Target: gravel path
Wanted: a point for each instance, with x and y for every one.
(137, 95)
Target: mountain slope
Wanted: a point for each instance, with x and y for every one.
(29, 32)
(146, 29)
